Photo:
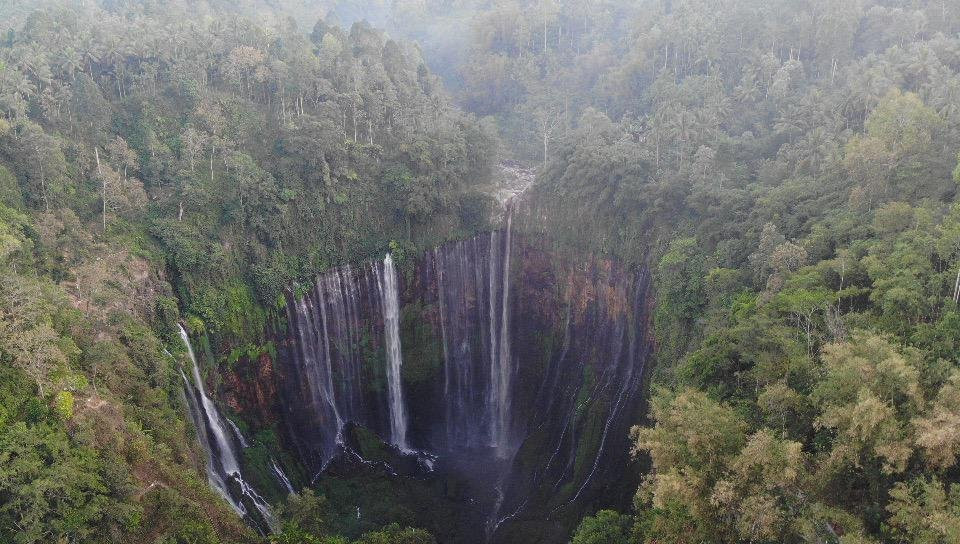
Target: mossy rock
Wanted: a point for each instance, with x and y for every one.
(374, 363)
(370, 446)
(422, 352)
(590, 435)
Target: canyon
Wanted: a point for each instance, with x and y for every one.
(499, 371)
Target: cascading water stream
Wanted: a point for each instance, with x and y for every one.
(327, 378)
(391, 324)
(214, 472)
(336, 330)
(236, 431)
(282, 476)
(493, 333)
(223, 466)
(473, 301)
(213, 428)
(274, 466)
(501, 368)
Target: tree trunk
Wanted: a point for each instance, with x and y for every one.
(103, 184)
(546, 140)
(956, 289)
(43, 180)
(544, 28)
(658, 150)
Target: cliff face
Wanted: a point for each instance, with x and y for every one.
(583, 337)
(522, 371)
(250, 390)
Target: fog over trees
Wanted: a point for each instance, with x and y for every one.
(784, 172)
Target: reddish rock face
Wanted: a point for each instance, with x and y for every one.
(250, 390)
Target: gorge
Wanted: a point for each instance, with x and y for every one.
(463, 272)
(496, 367)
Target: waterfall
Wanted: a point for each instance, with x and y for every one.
(281, 476)
(337, 329)
(236, 431)
(339, 305)
(494, 340)
(391, 324)
(473, 298)
(573, 335)
(501, 368)
(214, 472)
(314, 382)
(325, 371)
(223, 466)
(462, 282)
(211, 426)
(541, 361)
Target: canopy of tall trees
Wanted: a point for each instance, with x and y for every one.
(787, 168)
(160, 159)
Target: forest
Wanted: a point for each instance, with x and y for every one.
(759, 196)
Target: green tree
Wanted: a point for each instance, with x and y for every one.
(868, 395)
(925, 511)
(10, 194)
(52, 489)
(606, 527)
(900, 132)
(765, 488)
(680, 288)
(37, 353)
(938, 430)
(394, 534)
(693, 440)
(305, 516)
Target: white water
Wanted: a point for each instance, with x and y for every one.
(447, 367)
(328, 367)
(214, 476)
(278, 472)
(313, 344)
(494, 353)
(501, 368)
(212, 426)
(238, 434)
(215, 432)
(391, 323)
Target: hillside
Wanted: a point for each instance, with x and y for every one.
(742, 242)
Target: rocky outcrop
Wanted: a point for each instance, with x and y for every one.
(249, 389)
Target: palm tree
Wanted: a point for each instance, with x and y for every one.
(681, 128)
(69, 63)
